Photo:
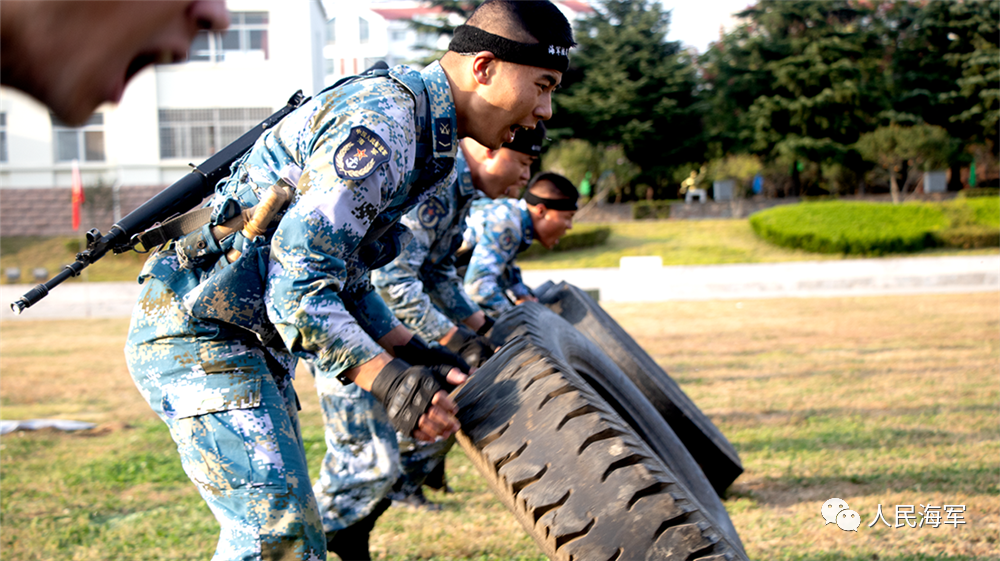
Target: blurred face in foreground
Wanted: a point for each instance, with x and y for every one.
(74, 55)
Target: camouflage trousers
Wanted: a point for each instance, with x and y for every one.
(233, 413)
(365, 457)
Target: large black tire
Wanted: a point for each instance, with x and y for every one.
(710, 448)
(580, 457)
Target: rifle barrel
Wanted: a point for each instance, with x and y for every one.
(176, 199)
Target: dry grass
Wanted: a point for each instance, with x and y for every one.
(888, 400)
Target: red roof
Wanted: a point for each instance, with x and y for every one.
(406, 13)
(577, 6)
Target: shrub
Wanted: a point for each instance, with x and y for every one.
(974, 223)
(642, 210)
(979, 192)
(855, 228)
(968, 237)
(590, 237)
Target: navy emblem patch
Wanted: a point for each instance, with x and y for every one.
(442, 134)
(430, 213)
(360, 154)
(506, 240)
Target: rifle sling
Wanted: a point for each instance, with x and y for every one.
(175, 228)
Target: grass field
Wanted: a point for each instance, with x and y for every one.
(680, 242)
(888, 401)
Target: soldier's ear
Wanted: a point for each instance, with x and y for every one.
(484, 67)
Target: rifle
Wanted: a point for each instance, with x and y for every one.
(182, 196)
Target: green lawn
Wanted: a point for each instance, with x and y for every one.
(687, 242)
(690, 242)
(877, 401)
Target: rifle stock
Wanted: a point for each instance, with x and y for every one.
(182, 196)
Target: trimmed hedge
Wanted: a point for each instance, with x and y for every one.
(980, 192)
(855, 228)
(584, 238)
(644, 210)
(863, 228)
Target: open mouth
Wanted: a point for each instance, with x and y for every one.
(165, 56)
(138, 63)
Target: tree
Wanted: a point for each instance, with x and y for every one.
(943, 68)
(892, 147)
(452, 11)
(627, 85)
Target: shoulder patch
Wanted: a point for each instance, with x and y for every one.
(430, 212)
(506, 240)
(360, 154)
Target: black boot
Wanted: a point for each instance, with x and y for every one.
(351, 543)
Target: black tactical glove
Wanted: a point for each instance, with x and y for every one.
(486, 326)
(475, 349)
(419, 352)
(406, 391)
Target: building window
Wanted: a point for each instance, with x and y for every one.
(245, 39)
(363, 30)
(3, 137)
(397, 35)
(331, 31)
(84, 143)
(199, 133)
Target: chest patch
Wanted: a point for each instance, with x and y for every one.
(430, 213)
(360, 154)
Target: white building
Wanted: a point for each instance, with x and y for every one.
(173, 115)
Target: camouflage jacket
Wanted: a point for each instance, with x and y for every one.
(359, 157)
(421, 286)
(497, 231)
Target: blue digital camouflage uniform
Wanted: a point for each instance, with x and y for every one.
(424, 291)
(359, 157)
(421, 286)
(497, 231)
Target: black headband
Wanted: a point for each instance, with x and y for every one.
(554, 204)
(468, 39)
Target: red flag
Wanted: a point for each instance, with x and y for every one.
(77, 194)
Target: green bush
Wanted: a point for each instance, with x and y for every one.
(854, 228)
(980, 192)
(586, 237)
(877, 228)
(968, 237)
(642, 210)
(974, 223)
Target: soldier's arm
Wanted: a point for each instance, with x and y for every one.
(400, 286)
(445, 285)
(488, 261)
(314, 247)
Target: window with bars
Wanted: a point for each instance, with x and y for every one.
(199, 133)
(85, 143)
(3, 137)
(246, 38)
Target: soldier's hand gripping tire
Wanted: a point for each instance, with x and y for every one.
(709, 447)
(581, 458)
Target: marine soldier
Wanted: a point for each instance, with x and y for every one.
(499, 230)
(223, 317)
(424, 291)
